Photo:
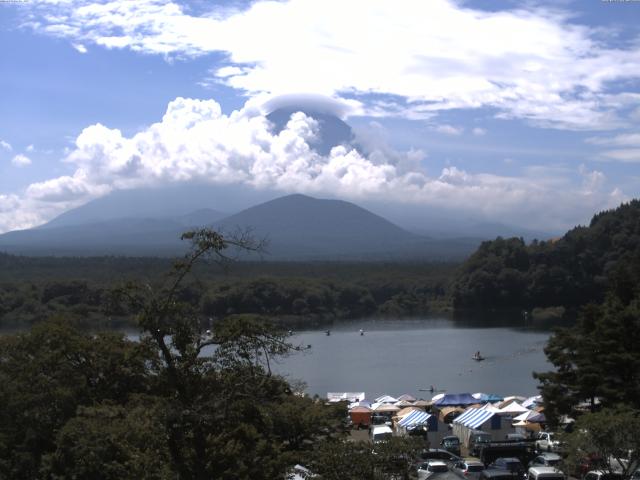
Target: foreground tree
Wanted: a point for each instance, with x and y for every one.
(610, 437)
(188, 400)
(597, 361)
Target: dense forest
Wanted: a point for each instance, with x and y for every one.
(34, 289)
(502, 274)
(570, 271)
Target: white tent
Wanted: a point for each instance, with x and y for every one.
(345, 396)
(513, 407)
(490, 408)
(523, 417)
(386, 399)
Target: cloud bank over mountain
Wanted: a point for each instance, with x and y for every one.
(196, 142)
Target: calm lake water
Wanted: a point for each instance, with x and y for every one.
(404, 356)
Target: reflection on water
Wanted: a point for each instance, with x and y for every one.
(408, 356)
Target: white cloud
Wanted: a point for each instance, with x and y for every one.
(21, 160)
(622, 140)
(416, 58)
(195, 141)
(448, 129)
(79, 47)
(625, 155)
(5, 145)
(30, 148)
(479, 132)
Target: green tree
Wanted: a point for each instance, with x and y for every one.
(611, 436)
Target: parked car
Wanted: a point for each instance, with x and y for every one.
(451, 444)
(468, 469)
(546, 459)
(493, 474)
(510, 464)
(438, 454)
(545, 442)
(477, 438)
(381, 433)
(545, 473)
(602, 475)
(431, 468)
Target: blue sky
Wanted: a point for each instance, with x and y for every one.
(521, 112)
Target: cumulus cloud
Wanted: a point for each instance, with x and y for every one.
(195, 141)
(479, 132)
(527, 62)
(448, 129)
(79, 47)
(5, 145)
(21, 160)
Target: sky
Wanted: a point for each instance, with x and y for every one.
(520, 112)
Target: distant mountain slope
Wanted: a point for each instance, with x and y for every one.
(298, 227)
(164, 202)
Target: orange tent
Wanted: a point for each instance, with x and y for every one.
(360, 416)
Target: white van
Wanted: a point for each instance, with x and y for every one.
(380, 433)
(545, 473)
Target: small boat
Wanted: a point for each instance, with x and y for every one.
(361, 332)
(478, 358)
(328, 332)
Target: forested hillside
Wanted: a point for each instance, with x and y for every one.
(35, 289)
(571, 271)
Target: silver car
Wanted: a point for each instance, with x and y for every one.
(468, 469)
(431, 468)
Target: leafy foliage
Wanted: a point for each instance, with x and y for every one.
(571, 271)
(183, 401)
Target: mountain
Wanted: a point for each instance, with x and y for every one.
(297, 227)
(166, 202)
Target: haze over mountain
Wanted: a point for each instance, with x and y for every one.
(297, 227)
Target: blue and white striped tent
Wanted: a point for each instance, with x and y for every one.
(417, 417)
(473, 417)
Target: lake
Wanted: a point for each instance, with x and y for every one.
(404, 356)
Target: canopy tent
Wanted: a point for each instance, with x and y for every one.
(438, 396)
(407, 410)
(360, 416)
(513, 407)
(448, 413)
(490, 408)
(538, 418)
(403, 403)
(407, 398)
(523, 417)
(452, 399)
(416, 417)
(384, 407)
(422, 403)
(386, 399)
(487, 397)
(511, 399)
(362, 403)
(532, 401)
(473, 417)
(345, 396)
